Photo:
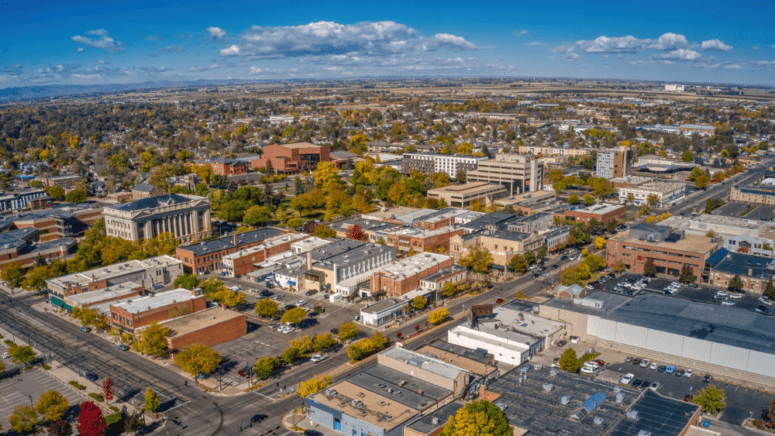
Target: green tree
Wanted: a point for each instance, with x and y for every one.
(569, 361)
(688, 156)
(652, 200)
(323, 231)
(478, 418)
(518, 264)
(594, 263)
(589, 200)
(12, 273)
(687, 274)
(478, 259)
(541, 253)
(291, 355)
(152, 403)
(701, 182)
(257, 215)
(152, 340)
(530, 257)
(198, 359)
(76, 196)
(265, 367)
(24, 419)
(711, 399)
(573, 199)
(736, 284)
(55, 192)
(267, 308)
(649, 269)
(770, 290)
(348, 330)
(323, 342)
(315, 384)
(23, 355)
(294, 316)
(419, 302)
(52, 405)
(186, 281)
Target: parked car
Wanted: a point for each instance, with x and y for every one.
(736, 296)
(627, 379)
(574, 339)
(628, 359)
(636, 383)
(766, 301)
(721, 294)
(688, 397)
(561, 344)
(311, 292)
(258, 418)
(6, 355)
(85, 329)
(637, 361)
(762, 309)
(645, 363)
(123, 347)
(708, 378)
(244, 372)
(301, 303)
(499, 301)
(727, 303)
(654, 386)
(274, 325)
(317, 358)
(535, 275)
(91, 376)
(689, 373)
(654, 365)
(645, 385)
(563, 257)
(278, 297)
(555, 266)
(679, 372)
(556, 362)
(670, 369)
(661, 368)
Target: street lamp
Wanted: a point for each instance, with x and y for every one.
(31, 401)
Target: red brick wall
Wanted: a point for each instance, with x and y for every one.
(288, 160)
(394, 288)
(159, 314)
(584, 217)
(212, 335)
(636, 259)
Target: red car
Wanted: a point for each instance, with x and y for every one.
(499, 301)
(244, 372)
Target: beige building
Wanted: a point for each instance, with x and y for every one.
(762, 194)
(463, 195)
(551, 151)
(516, 172)
(503, 245)
(187, 217)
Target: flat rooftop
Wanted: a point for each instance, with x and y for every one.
(156, 301)
(419, 360)
(114, 292)
(443, 273)
(425, 424)
(412, 265)
(376, 408)
(403, 388)
(711, 322)
(732, 262)
(690, 243)
(227, 242)
(468, 188)
(388, 214)
(300, 145)
(200, 320)
(115, 270)
(659, 187)
(269, 243)
(474, 366)
(419, 232)
(384, 305)
(526, 322)
(600, 209)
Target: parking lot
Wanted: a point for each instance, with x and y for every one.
(741, 402)
(734, 209)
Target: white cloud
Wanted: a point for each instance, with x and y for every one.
(216, 32)
(173, 49)
(230, 51)
(668, 41)
(522, 32)
(680, 55)
(105, 42)
(534, 43)
(211, 67)
(563, 48)
(733, 67)
(80, 50)
(769, 65)
(327, 38)
(101, 62)
(151, 68)
(571, 56)
(715, 45)
(631, 44)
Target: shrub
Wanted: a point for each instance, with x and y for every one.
(46, 367)
(97, 397)
(113, 418)
(77, 385)
(114, 408)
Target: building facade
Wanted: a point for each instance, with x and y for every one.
(518, 173)
(226, 166)
(24, 198)
(451, 164)
(243, 261)
(762, 194)
(403, 276)
(207, 256)
(187, 217)
(613, 163)
(140, 312)
(667, 194)
(463, 195)
(66, 181)
(293, 158)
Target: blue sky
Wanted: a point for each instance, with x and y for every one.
(97, 42)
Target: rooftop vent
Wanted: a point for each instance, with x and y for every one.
(435, 421)
(548, 387)
(598, 420)
(632, 414)
(565, 400)
(620, 397)
(331, 392)
(358, 404)
(388, 418)
(644, 433)
(553, 373)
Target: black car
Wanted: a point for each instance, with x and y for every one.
(636, 383)
(611, 275)
(561, 344)
(91, 376)
(334, 331)
(762, 309)
(257, 418)
(708, 378)
(679, 372)
(123, 347)
(661, 368)
(636, 361)
(266, 293)
(555, 266)
(312, 433)
(563, 257)
(312, 314)
(542, 268)
(645, 384)
(311, 292)
(536, 275)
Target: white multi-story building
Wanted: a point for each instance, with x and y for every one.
(451, 164)
(667, 193)
(187, 217)
(516, 172)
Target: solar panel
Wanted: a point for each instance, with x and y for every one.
(592, 402)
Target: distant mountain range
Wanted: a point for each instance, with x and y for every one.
(52, 91)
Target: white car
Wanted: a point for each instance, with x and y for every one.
(689, 373)
(572, 258)
(587, 370)
(627, 379)
(727, 303)
(317, 358)
(287, 330)
(721, 294)
(6, 355)
(645, 363)
(654, 365)
(766, 301)
(301, 303)
(736, 296)
(534, 266)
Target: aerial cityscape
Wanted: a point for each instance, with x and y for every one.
(414, 219)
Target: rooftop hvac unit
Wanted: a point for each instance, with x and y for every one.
(331, 392)
(358, 404)
(388, 418)
(565, 400)
(632, 414)
(539, 366)
(548, 387)
(435, 421)
(598, 420)
(390, 391)
(644, 433)
(553, 373)
(617, 389)
(620, 397)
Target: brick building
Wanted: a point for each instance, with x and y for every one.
(208, 327)
(225, 166)
(403, 276)
(290, 158)
(604, 213)
(59, 222)
(66, 181)
(145, 190)
(20, 246)
(419, 239)
(142, 311)
(110, 294)
(207, 256)
(669, 250)
(243, 261)
(613, 163)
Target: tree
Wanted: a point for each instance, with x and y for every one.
(589, 200)
(294, 316)
(630, 197)
(267, 308)
(90, 420)
(323, 231)
(460, 177)
(366, 347)
(323, 342)
(438, 316)
(198, 359)
(325, 173)
(348, 330)
(24, 419)
(152, 340)
(108, 393)
(356, 232)
(719, 176)
(711, 399)
(76, 196)
(594, 263)
(23, 355)
(600, 242)
(60, 427)
(620, 266)
(478, 418)
(315, 384)
(736, 284)
(529, 257)
(186, 281)
(419, 302)
(52, 405)
(770, 290)
(478, 259)
(257, 215)
(687, 156)
(291, 355)
(573, 199)
(151, 400)
(701, 182)
(653, 200)
(12, 273)
(265, 367)
(687, 274)
(649, 269)
(569, 361)
(361, 204)
(518, 264)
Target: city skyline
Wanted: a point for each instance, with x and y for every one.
(95, 43)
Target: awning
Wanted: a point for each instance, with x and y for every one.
(497, 267)
(58, 302)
